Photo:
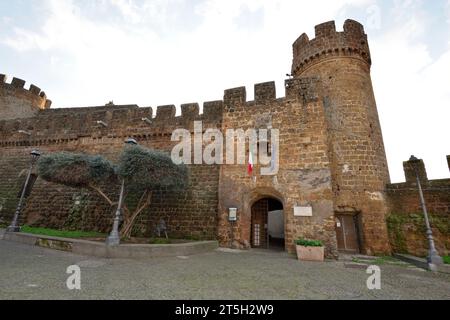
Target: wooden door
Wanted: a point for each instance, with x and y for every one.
(347, 233)
(260, 211)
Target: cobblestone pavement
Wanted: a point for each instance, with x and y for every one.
(35, 273)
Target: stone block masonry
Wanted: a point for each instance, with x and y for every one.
(18, 102)
(191, 214)
(406, 222)
(331, 156)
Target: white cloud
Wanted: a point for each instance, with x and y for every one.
(159, 52)
(413, 94)
(448, 11)
(128, 9)
(109, 55)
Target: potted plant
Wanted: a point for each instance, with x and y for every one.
(310, 250)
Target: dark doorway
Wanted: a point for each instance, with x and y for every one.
(347, 233)
(267, 227)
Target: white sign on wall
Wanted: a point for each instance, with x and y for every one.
(232, 215)
(303, 211)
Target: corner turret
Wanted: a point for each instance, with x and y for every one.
(18, 102)
(329, 43)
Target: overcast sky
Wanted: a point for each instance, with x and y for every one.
(85, 53)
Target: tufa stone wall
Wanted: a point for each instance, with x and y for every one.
(406, 224)
(341, 60)
(190, 214)
(304, 176)
(18, 102)
(332, 155)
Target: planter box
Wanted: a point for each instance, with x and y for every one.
(310, 253)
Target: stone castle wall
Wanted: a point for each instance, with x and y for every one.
(356, 150)
(406, 223)
(304, 178)
(18, 102)
(331, 155)
(190, 214)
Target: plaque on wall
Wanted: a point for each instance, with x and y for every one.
(303, 211)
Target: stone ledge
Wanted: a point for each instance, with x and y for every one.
(98, 249)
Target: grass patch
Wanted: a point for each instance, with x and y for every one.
(159, 241)
(446, 259)
(381, 260)
(61, 233)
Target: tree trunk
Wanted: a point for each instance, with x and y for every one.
(129, 223)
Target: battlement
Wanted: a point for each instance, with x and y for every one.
(63, 124)
(17, 88)
(410, 168)
(330, 43)
(306, 89)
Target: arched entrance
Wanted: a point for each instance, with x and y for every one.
(267, 226)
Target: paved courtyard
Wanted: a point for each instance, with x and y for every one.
(35, 273)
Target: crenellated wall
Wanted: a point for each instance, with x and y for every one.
(18, 102)
(102, 130)
(304, 177)
(341, 60)
(331, 154)
(405, 220)
(330, 44)
(189, 214)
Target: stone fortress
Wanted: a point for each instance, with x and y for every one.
(333, 181)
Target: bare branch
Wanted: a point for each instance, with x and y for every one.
(101, 193)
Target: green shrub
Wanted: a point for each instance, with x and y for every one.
(75, 170)
(447, 259)
(159, 241)
(148, 169)
(309, 243)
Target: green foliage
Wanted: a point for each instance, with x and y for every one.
(193, 237)
(309, 243)
(446, 259)
(75, 170)
(60, 233)
(143, 170)
(399, 223)
(146, 169)
(159, 241)
(381, 260)
(75, 218)
(395, 228)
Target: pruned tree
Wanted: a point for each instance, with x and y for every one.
(145, 170)
(142, 170)
(78, 171)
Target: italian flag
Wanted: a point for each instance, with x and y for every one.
(250, 164)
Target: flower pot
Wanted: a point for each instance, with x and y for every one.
(310, 253)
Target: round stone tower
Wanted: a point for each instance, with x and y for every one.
(359, 168)
(18, 102)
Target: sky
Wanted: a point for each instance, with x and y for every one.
(150, 53)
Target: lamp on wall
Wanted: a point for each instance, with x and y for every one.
(433, 259)
(14, 227)
(114, 236)
(147, 120)
(102, 123)
(24, 132)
